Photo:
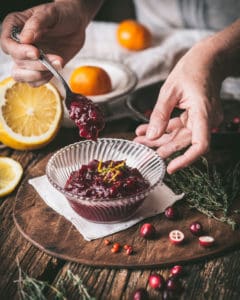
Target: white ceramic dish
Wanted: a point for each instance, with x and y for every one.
(123, 79)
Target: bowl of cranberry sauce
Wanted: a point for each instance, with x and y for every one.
(105, 181)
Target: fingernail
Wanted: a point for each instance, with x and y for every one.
(31, 55)
(57, 64)
(151, 132)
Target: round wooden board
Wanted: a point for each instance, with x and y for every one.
(53, 234)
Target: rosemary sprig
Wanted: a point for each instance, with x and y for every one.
(209, 191)
(32, 289)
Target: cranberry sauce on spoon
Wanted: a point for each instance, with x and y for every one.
(87, 116)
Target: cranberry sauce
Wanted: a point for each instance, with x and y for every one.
(109, 179)
(87, 116)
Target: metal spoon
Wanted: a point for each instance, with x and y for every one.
(70, 96)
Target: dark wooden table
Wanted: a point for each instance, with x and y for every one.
(216, 278)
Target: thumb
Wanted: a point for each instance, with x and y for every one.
(42, 18)
(161, 114)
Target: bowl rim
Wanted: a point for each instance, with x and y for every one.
(94, 201)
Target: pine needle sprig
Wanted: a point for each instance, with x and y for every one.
(33, 289)
(208, 191)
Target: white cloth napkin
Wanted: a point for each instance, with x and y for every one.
(160, 198)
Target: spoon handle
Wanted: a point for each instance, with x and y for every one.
(44, 60)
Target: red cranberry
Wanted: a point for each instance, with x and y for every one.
(140, 294)
(196, 228)
(156, 281)
(176, 271)
(171, 213)
(147, 231)
(236, 120)
(206, 241)
(215, 130)
(173, 284)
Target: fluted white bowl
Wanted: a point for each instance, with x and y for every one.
(104, 210)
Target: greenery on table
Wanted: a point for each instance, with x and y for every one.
(33, 289)
(209, 191)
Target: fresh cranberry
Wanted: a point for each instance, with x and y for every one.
(206, 241)
(129, 250)
(173, 284)
(176, 271)
(236, 120)
(215, 130)
(171, 213)
(156, 281)
(147, 231)
(140, 294)
(176, 236)
(196, 228)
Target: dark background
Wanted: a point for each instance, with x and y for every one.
(111, 10)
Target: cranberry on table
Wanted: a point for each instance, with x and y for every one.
(206, 241)
(147, 231)
(236, 120)
(196, 228)
(215, 130)
(173, 284)
(176, 271)
(176, 237)
(171, 213)
(156, 281)
(140, 294)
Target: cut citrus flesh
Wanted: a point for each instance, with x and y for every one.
(10, 174)
(29, 117)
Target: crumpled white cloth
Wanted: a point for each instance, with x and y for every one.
(150, 65)
(159, 199)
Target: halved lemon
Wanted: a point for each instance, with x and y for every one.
(29, 117)
(10, 174)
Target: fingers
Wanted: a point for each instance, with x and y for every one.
(161, 113)
(199, 145)
(34, 72)
(42, 19)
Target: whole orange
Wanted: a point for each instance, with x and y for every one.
(133, 35)
(90, 81)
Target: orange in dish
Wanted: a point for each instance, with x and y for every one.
(133, 35)
(90, 81)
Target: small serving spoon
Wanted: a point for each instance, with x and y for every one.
(69, 96)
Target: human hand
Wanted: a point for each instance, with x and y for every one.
(193, 86)
(57, 28)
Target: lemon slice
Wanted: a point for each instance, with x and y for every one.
(10, 174)
(29, 117)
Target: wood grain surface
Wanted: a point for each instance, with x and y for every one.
(210, 278)
(56, 236)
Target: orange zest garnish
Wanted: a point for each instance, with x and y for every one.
(109, 170)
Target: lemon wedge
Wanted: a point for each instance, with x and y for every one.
(10, 174)
(29, 117)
